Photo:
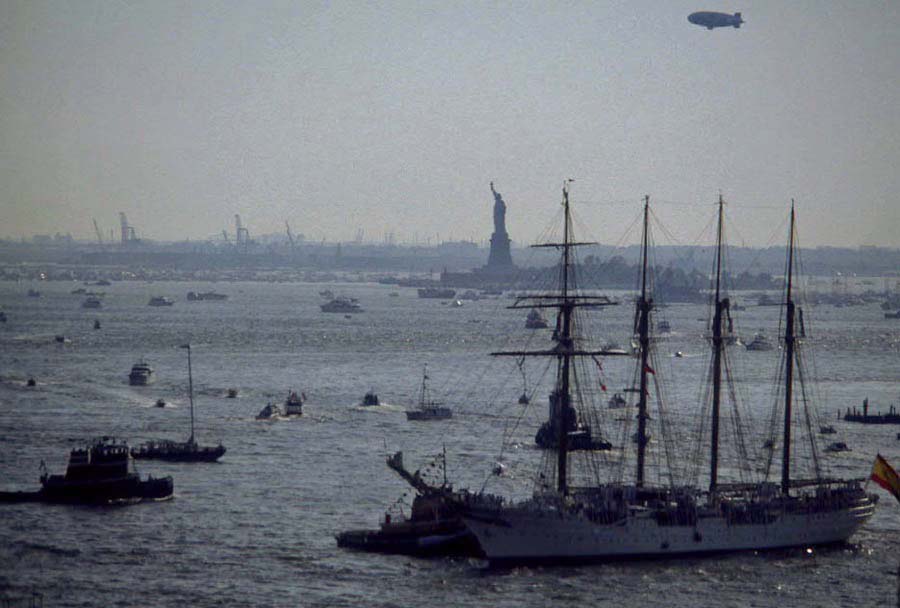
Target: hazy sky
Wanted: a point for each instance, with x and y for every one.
(395, 116)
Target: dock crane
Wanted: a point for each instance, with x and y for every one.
(97, 231)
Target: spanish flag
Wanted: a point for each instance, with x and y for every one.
(885, 476)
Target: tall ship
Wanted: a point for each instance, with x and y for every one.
(581, 517)
(141, 374)
(180, 451)
(101, 473)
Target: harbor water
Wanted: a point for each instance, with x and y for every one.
(257, 528)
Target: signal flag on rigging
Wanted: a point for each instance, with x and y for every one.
(884, 475)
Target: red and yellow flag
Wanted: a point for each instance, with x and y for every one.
(884, 475)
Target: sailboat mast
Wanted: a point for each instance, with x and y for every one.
(565, 341)
(717, 359)
(643, 306)
(788, 363)
(191, 391)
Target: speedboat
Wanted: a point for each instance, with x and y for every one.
(141, 374)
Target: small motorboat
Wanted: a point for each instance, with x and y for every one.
(523, 399)
(370, 398)
(827, 430)
(2, 317)
(535, 320)
(31, 382)
(61, 339)
(96, 323)
(270, 412)
(837, 446)
(232, 393)
(760, 343)
(34, 293)
(161, 301)
(679, 355)
(160, 403)
(92, 302)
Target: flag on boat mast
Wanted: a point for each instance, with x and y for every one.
(884, 475)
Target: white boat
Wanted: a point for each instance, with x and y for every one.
(427, 408)
(619, 519)
(141, 374)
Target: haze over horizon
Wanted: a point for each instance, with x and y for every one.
(395, 118)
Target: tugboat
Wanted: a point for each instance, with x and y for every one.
(293, 405)
(341, 304)
(370, 399)
(428, 409)
(433, 527)
(141, 374)
(98, 474)
(180, 451)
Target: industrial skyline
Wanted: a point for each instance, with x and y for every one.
(394, 119)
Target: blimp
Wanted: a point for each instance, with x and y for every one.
(710, 19)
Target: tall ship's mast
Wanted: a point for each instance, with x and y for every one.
(566, 349)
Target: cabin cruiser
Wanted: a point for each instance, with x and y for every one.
(535, 320)
(293, 405)
(617, 401)
(99, 474)
(141, 374)
(160, 301)
(341, 304)
(760, 342)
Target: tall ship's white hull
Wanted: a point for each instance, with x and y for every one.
(522, 534)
